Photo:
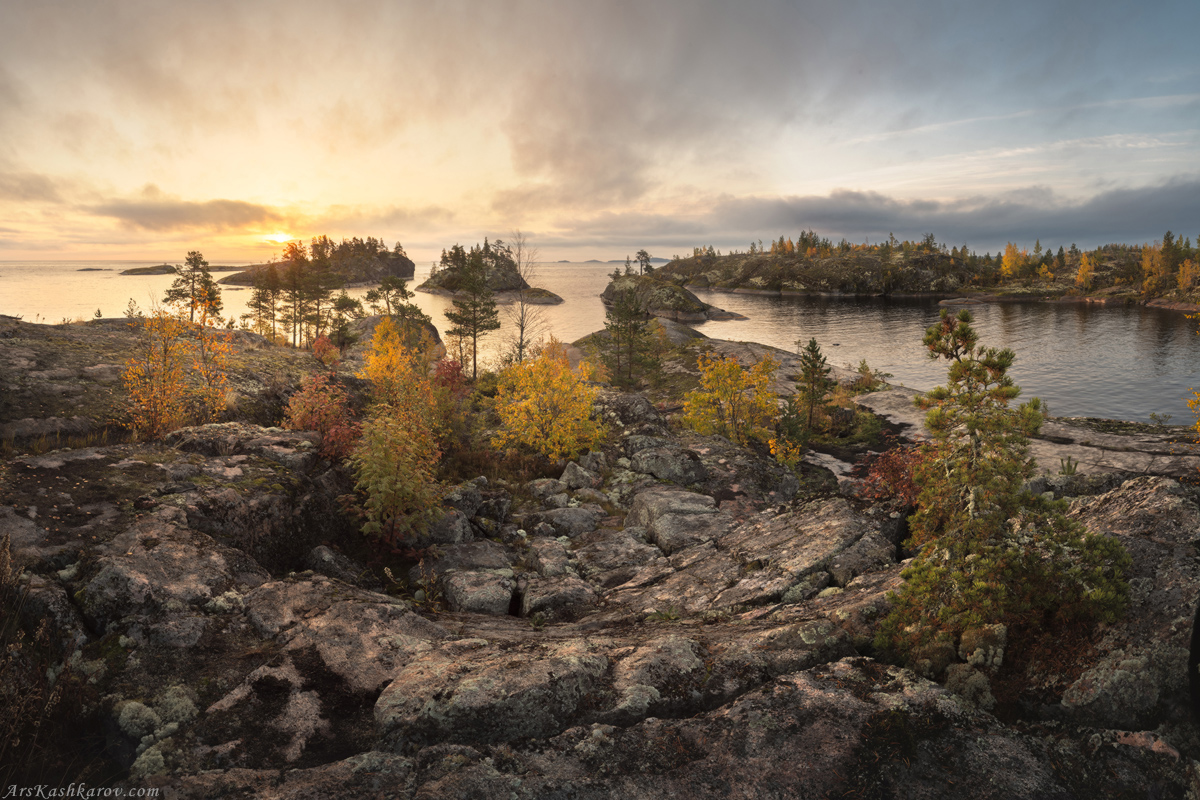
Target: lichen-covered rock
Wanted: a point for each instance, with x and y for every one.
(569, 522)
(47, 602)
(1136, 675)
(631, 414)
(466, 497)
(495, 505)
(336, 565)
(478, 592)
(594, 461)
(478, 556)
(359, 636)
(610, 558)
(870, 553)
(557, 598)
(453, 527)
(454, 695)
(670, 464)
(541, 488)
(675, 519)
(576, 477)
(753, 563)
(158, 566)
(548, 557)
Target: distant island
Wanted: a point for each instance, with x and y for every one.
(1164, 274)
(161, 269)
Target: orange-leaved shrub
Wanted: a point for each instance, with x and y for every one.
(177, 374)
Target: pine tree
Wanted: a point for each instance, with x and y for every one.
(643, 259)
(629, 337)
(814, 378)
(993, 553)
(475, 313)
(194, 285)
(263, 306)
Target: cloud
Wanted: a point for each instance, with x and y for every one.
(1124, 214)
(358, 218)
(155, 211)
(28, 187)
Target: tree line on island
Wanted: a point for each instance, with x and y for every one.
(1169, 266)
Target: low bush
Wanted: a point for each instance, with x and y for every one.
(322, 405)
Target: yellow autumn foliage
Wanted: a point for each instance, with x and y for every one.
(732, 401)
(176, 376)
(396, 458)
(546, 406)
(1087, 271)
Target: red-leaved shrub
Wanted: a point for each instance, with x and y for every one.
(323, 406)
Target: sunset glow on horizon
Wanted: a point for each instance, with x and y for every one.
(135, 129)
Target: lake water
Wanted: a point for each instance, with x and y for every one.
(1116, 362)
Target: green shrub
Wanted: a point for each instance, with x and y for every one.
(993, 553)
(395, 463)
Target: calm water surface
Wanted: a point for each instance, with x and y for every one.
(1118, 362)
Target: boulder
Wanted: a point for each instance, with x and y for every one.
(610, 558)
(548, 557)
(336, 565)
(675, 519)
(631, 413)
(453, 527)
(576, 477)
(561, 597)
(1135, 677)
(870, 553)
(466, 497)
(478, 592)
(479, 556)
(160, 566)
(542, 488)
(670, 464)
(566, 521)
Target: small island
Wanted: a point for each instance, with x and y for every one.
(160, 269)
(505, 270)
(662, 299)
(355, 261)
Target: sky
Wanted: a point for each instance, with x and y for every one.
(144, 130)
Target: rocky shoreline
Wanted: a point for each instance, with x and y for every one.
(671, 614)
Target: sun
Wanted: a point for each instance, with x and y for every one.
(278, 238)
